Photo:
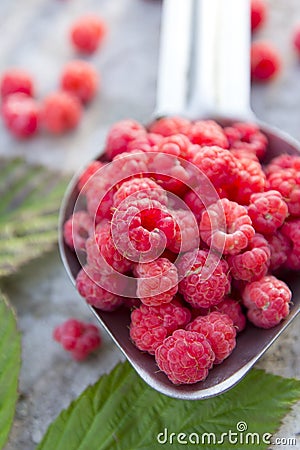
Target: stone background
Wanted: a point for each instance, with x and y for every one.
(34, 36)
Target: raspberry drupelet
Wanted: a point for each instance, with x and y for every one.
(61, 112)
(80, 79)
(16, 81)
(167, 126)
(77, 229)
(150, 325)
(87, 33)
(268, 211)
(21, 115)
(120, 135)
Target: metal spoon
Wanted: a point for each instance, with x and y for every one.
(199, 40)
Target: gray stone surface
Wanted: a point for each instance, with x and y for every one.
(34, 35)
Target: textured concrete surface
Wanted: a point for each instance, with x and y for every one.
(34, 35)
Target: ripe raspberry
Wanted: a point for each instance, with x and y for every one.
(127, 165)
(219, 330)
(61, 112)
(90, 285)
(283, 161)
(157, 282)
(77, 337)
(267, 301)
(267, 211)
(150, 325)
(87, 33)
(280, 247)
(226, 226)
(253, 263)
(80, 79)
(99, 196)
(192, 267)
(21, 115)
(167, 126)
(138, 188)
(16, 80)
(258, 14)
(250, 180)
(287, 182)
(144, 143)
(265, 62)
(185, 357)
(187, 233)
(77, 229)
(120, 135)
(291, 230)
(88, 172)
(246, 137)
(170, 172)
(296, 40)
(207, 133)
(233, 309)
(177, 145)
(195, 199)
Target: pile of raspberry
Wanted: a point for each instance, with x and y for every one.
(184, 224)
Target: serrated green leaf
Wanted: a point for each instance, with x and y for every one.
(121, 412)
(30, 197)
(10, 362)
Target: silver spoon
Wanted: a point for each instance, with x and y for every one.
(199, 40)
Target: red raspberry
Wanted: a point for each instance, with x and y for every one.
(267, 301)
(90, 285)
(207, 133)
(258, 14)
(287, 182)
(87, 33)
(284, 161)
(77, 229)
(177, 145)
(150, 325)
(138, 188)
(253, 263)
(61, 112)
(80, 79)
(144, 143)
(16, 80)
(88, 172)
(233, 309)
(267, 211)
(280, 247)
(250, 179)
(120, 135)
(296, 40)
(167, 126)
(169, 172)
(195, 199)
(246, 137)
(219, 330)
(226, 226)
(99, 196)
(78, 337)
(185, 357)
(265, 61)
(187, 233)
(157, 282)
(201, 293)
(21, 115)
(126, 165)
(291, 230)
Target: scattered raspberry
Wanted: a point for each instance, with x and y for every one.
(233, 309)
(88, 172)
(253, 263)
(90, 282)
(219, 330)
(77, 229)
(187, 233)
(207, 133)
(177, 145)
(193, 268)
(250, 179)
(246, 137)
(80, 79)
(258, 14)
(284, 161)
(150, 325)
(287, 182)
(267, 211)
(120, 135)
(157, 282)
(144, 143)
(21, 115)
(16, 81)
(139, 188)
(87, 33)
(226, 226)
(185, 357)
(265, 62)
(280, 247)
(167, 126)
(78, 338)
(61, 112)
(291, 230)
(267, 301)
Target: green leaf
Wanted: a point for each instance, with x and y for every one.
(30, 198)
(121, 412)
(10, 362)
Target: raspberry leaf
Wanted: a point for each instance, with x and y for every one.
(10, 362)
(121, 412)
(29, 203)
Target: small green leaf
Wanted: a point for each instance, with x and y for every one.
(10, 362)
(120, 412)
(30, 198)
